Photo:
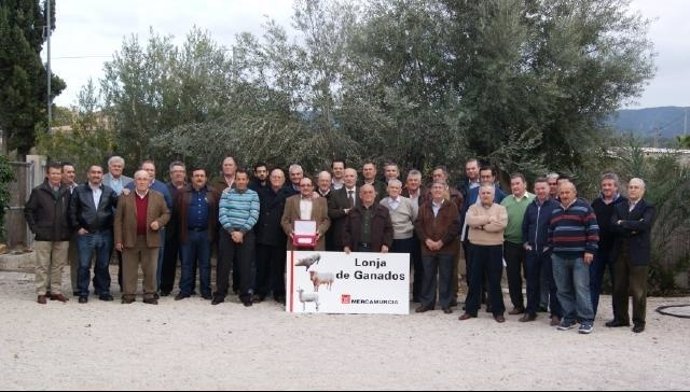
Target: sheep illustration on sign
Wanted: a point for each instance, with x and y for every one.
(319, 278)
(308, 297)
(308, 261)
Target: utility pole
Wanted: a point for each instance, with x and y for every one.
(50, 100)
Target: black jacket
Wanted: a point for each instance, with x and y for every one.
(83, 213)
(268, 229)
(634, 231)
(47, 213)
(604, 212)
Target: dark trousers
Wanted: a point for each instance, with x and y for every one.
(441, 264)
(225, 241)
(630, 280)
(407, 245)
(489, 260)
(602, 261)
(240, 255)
(418, 267)
(196, 251)
(514, 254)
(467, 248)
(539, 264)
(171, 253)
(270, 270)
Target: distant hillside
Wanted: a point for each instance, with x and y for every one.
(667, 121)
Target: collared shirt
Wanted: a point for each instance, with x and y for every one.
(337, 184)
(305, 207)
(474, 184)
(96, 192)
(394, 203)
(324, 194)
(116, 184)
(631, 205)
(436, 207)
(197, 213)
(351, 192)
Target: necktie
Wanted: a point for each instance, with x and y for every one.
(350, 195)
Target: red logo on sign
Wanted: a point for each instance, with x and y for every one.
(345, 299)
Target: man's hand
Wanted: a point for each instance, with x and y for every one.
(155, 226)
(119, 247)
(82, 231)
(126, 191)
(237, 237)
(346, 250)
(589, 258)
(384, 249)
(527, 247)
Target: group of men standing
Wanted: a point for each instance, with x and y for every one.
(561, 243)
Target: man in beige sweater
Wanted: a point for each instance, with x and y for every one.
(487, 222)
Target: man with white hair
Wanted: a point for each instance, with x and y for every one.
(632, 223)
(296, 174)
(114, 178)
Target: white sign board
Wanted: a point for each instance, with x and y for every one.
(336, 282)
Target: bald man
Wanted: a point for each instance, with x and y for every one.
(632, 224)
(368, 227)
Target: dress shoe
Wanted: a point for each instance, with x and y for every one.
(206, 297)
(466, 316)
(516, 311)
(165, 293)
(151, 301)
(127, 300)
(180, 296)
(638, 328)
(247, 302)
(527, 317)
(105, 297)
(42, 300)
(500, 318)
(423, 308)
(447, 310)
(555, 321)
(58, 297)
(156, 296)
(83, 299)
(616, 323)
(259, 298)
(217, 300)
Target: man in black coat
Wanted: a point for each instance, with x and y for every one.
(632, 223)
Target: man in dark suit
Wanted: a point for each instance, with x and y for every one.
(339, 205)
(368, 226)
(632, 223)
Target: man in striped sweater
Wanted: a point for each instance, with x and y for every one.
(238, 213)
(573, 237)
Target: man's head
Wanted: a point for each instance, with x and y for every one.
(95, 175)
(306, 187)
(367, 194)
(440, 173)
(178, 172)
(142, 180)
(296, 174)
(241, 179)
(338, 168)
(472, 169)
(116, 164)
(69, 173)
(323, 181)
(394, 188)
(277, 179)
(541, 188)
(518, 185)
(414, 180)
(229, 166)
(609, 185)
(487, 174)
(54, 173)
(199, 177)
(486, 193)
(636, 189)
(391, 171)
(567, 192)
(438, 189)
(369, 171)
(150, 167)
(261, 171)
(552, 179)
(350, 177)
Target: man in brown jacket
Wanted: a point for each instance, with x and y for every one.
(437, 227)
(138, 218)
(305, 207)
(368, 227)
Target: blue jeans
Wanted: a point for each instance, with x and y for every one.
(102, 243)
(197, 248)
(572, 280)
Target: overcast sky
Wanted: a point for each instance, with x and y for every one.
(89, 31)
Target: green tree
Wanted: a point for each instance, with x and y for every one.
(23, 95)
